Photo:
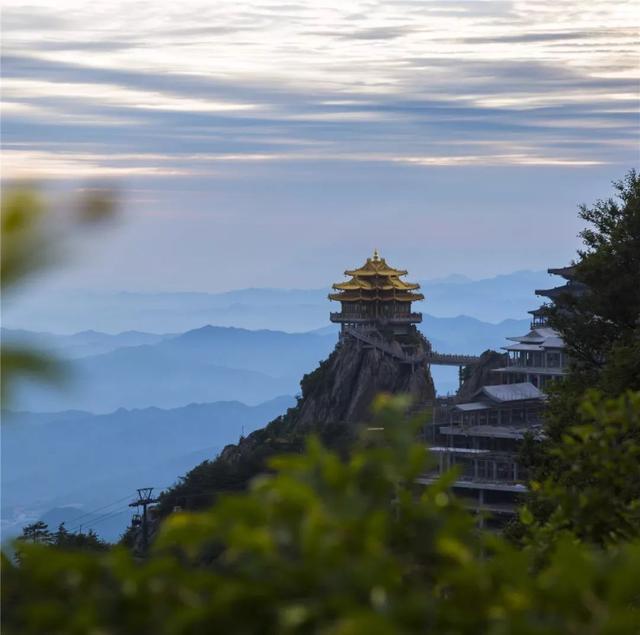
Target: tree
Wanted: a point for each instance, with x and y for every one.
(28, 245)
(601, 328)
(592, 486)
(62, 536)
(586, 473)
(330, 544)
(89, 541)
(37, 532)
(347, 543)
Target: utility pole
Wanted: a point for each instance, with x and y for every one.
(144, 499)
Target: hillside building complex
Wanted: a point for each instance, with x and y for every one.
(536, 358)
(482, 437)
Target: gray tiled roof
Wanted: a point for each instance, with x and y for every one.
(510, 392)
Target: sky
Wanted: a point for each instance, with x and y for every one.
(278, 143)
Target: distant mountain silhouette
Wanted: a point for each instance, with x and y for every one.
(492, 300)
(79, 461)
(213, 363)
(204, 365)
(495, 299)
(464, 334)
(82, 344)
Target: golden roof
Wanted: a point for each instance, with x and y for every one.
(375, 266)
(376, 280)
(385, 285)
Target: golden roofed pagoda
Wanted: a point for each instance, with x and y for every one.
(376, 296)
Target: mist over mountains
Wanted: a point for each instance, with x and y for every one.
(492, 300)
(212, 363)
(203, 365)
(76, 461)
(272, 337)
(152, 388)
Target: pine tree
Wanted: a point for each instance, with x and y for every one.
(586, 473)
(37, 532)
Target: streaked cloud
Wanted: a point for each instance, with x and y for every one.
(360, 79)
(457, 135)
(112, 95)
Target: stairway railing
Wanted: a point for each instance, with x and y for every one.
(437, 359)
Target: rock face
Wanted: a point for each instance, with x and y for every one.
(344, 386)
(335, 397)
(481, 375)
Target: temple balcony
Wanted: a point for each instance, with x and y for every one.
(402, 318)
(538, 321)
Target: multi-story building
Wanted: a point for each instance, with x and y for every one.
(537, 358)
(482, 437)
(376, 298)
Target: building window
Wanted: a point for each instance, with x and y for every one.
(553, 360)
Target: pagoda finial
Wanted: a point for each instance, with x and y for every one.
(376, 255)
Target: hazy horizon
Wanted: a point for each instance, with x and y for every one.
(275, 145)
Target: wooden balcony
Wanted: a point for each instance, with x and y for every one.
(351, 318)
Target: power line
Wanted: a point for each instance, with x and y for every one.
(113, 513)
(99, 519)
(94, 511)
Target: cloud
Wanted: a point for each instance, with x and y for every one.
(438, 80)
(373, 33)
(552, 36)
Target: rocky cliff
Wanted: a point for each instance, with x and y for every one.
(336, 396)
(344, 385)
(481, 375)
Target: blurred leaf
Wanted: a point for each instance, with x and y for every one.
(96, 205)
(23, 246)
(17, 362)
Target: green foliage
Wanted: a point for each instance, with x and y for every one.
(467, 372)
(329, 541)
(326, 544)
(24, 250)
(23, 245)
(238, 464)
(37, 532)
(27, 247)
(89, 541)
(602, 327)
(316, 380)
(586, 473)
(592, 480)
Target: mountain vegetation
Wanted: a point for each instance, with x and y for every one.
(338, 393)
(587, 478)
(330, 544)
(39, 533)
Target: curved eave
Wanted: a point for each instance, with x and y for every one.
(387, 271)
(398, 297)
(387, 285)
(568, 273)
